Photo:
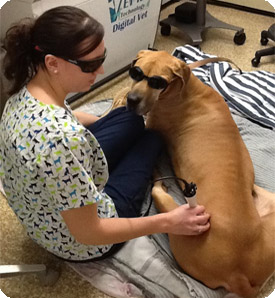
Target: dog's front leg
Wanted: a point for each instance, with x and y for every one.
(163, 201)
(120, 98)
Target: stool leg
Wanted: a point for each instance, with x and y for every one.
(46, 276)
(261, 53)
(265, 52)
(200, 12)
(13, 270)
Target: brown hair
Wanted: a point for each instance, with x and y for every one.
(59, 31)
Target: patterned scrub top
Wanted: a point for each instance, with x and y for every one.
(49, 163)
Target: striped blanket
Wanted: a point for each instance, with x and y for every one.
(144, 267)
(252, 94)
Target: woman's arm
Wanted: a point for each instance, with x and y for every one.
(87, 228)
(84, 118)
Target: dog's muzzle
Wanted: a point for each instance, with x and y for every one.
(133, 101)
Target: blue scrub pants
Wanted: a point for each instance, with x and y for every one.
(131, 152)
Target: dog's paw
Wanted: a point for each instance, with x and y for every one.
(120, 98)
(159, 185)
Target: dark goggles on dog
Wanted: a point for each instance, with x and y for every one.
(155, 82)
(89, 65)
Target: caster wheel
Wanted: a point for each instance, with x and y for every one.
(165, 30)
(239, 39)
(255, 62)
(264, 41)
(264, 37)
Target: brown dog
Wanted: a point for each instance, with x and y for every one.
(205, 147)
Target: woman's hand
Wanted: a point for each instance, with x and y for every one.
(185, 220)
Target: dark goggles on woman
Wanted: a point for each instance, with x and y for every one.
(88, 65)
(85, 65)
(155, 82)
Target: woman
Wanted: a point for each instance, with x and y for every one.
(75, 182)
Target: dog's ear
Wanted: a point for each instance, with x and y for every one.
(182, 71)
(139, 55)
(142, 53)
(181, 76)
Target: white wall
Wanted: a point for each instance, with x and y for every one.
(13, 11)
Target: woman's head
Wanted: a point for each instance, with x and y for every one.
(63, 31)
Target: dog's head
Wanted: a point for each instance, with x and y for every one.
(156, 75)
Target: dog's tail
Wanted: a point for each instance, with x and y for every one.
(239, 284)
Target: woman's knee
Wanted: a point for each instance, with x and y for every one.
(119, 122)
(130, 121)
